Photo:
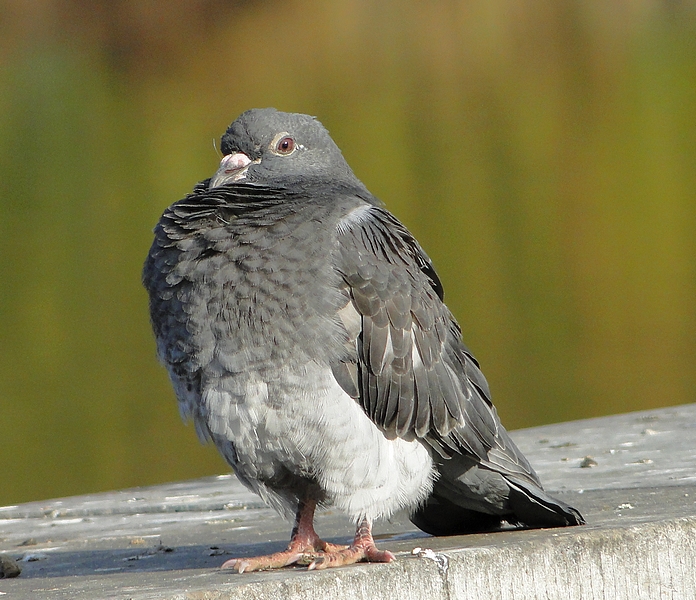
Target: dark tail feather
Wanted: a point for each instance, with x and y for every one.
(478, 499)
(535, 508)
(439, 516)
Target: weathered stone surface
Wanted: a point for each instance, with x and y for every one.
(167, 541)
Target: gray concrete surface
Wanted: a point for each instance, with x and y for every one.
(637, 491)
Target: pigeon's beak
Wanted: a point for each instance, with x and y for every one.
(233, 167)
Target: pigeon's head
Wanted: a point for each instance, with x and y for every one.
(274, 148)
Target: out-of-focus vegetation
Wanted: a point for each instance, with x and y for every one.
(544, 153)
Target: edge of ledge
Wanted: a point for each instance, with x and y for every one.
(646, 560)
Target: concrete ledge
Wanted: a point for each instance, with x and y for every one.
(633, 476)
(653, 560)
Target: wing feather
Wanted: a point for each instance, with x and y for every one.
(416, 377)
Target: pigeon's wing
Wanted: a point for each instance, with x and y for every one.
(407, 365)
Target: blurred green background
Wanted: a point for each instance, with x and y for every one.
(543, 152)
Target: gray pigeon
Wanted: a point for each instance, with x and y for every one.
(304, 331)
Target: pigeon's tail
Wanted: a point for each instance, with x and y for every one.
(533, 507)
(469, 497)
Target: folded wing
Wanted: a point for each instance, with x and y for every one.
(410, 371)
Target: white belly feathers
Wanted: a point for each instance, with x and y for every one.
(303, 421)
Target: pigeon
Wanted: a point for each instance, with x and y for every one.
(304, 331)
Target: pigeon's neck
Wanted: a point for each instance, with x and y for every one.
(243, 207)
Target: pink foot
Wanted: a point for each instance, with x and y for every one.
(305, 547)
(362, 549)
(295, 554)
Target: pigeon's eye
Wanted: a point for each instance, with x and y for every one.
(285, 145)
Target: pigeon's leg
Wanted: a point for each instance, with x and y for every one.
(362, 549)
(304, 545)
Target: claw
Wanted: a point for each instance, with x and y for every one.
(307, 548)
